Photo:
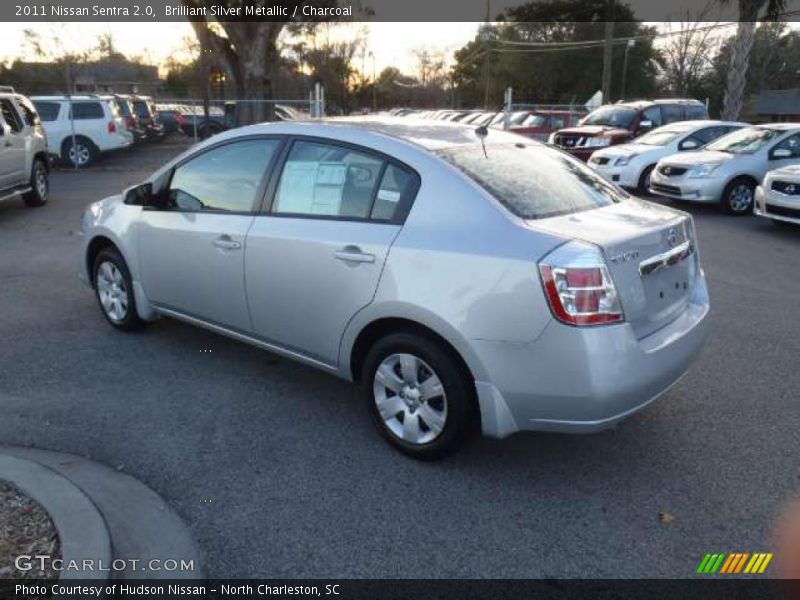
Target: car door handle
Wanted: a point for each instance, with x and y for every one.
(354, 254)
(226, 243)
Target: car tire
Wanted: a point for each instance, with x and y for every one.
(86, 152)
(40, 185)
(643, 188)
(113, 288)
(738, 198)
(418, 395)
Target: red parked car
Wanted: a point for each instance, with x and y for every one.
(540, 124)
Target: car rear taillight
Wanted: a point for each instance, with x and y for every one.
(112, 127)
(130, 122)
(578, 286)
(179, 119)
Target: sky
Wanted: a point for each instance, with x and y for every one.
(392, 43)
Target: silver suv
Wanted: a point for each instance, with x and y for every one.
(24, 168)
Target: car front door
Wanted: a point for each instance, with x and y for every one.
(192, 246)
(315, 257)
(12, 146)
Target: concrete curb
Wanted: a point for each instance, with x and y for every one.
(141, 525)
(81, 529)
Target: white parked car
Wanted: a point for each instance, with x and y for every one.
(630, 165)
(728, 169)
(778, 198)
(98, 126)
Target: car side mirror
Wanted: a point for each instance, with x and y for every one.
(141, 195)
(2, 130)
(688, 145)
(645, 125)
(780, 153)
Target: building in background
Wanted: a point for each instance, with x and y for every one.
(777, 105)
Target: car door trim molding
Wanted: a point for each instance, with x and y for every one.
(243, 337)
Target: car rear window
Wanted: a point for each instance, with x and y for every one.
(48, 111)
(87, 110)
(533, 181)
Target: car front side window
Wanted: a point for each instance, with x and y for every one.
(10, 115)
(223, 179)
(792, 144)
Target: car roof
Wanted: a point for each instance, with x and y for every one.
(76, 97)
(425, 133)
(779, 126)
(644, 103)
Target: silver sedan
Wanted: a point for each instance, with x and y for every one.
(464, 279)
(728, 169)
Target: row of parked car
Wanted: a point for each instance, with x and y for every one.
(670, 148)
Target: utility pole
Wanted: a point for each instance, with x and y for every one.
(628, 46)
(607, 54)
(486, 34)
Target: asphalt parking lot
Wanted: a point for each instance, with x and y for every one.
(278, 472)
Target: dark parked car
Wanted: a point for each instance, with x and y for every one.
(619, 123)
(124, 104)
(540, 124)
(145, 110)
(171, 117)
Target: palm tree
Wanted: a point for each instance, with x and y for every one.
(740, 57)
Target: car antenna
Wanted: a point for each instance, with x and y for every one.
(483, 131)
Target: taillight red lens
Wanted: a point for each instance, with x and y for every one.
(112, 127)
(130, 122)
(579, 294)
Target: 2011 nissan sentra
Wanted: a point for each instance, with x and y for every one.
(463, 278)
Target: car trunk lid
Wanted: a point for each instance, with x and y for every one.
(650, 252)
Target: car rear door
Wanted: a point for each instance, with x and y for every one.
(315, 256)
(12, 146)
(192, 248)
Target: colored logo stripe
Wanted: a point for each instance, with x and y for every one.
(734, 563)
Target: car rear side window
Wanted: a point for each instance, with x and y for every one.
(48, 111)
(533, 181)
(223, 179)
(87, 110)
(10, 115)
(672, 113)
(696, 111)
(395, 184)
(328, 180)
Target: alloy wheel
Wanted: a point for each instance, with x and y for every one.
(410, 398)
(740, 198)
(40, 181)
(80, 154)
(112, 291)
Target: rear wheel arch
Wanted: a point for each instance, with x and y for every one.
(382, 327)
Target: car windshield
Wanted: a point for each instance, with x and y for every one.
(662, 136)
(534, 121)
(533, 181)
(745, 141)
(613, 116)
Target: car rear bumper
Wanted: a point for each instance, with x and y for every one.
(580, 380)
(778, 206)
